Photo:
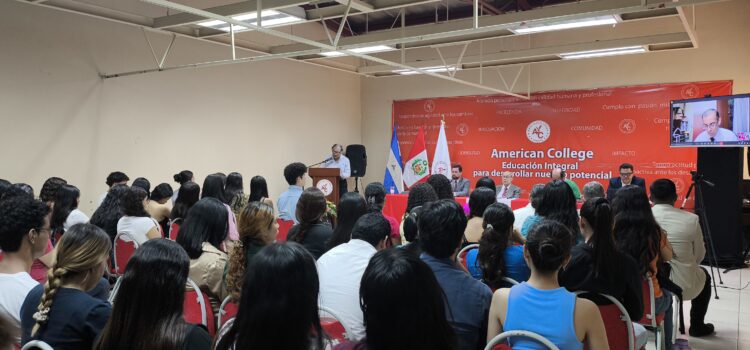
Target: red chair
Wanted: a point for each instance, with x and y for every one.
(124, 248)
(333, 326)
(501, 340)
(197, 308)
(652, 321)
(227, 310)
(284, 227)
(174, 229)
(617, 323)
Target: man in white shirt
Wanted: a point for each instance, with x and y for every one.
(523, 213)
(686, 238)
(713, 131)
(339, 160)
(341, 268)
(24, 233)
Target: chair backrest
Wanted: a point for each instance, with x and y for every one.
(227, 310)
(36, 344)
(284, 227)
(123, 250)
(113, 292)
(174, 228)
(502, 338)
(465, 251)
(617, 323)
(650, 318)
(332, 325)
(197, 308)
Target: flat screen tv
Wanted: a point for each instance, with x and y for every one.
(722, 121)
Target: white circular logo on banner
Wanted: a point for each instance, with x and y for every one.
(325, 186)
(538, 131)
(627, 126)
(462, 129)
(429, 106)
(442, 167)
(690, 91)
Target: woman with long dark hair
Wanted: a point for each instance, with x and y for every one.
(375, 198)
(213, 187)
(486, 182)
(65, 212)
(258, 228)
(479, 200)
(399, 291)
(136, 222)
(49, 190)
(61, 312)
(159, 206)
(110, 211)
(202, 236)
(419, 195)
(639, 235)
(259, 191)
(350, 208)
(312, 232)
(556, 202)
(441, 185)
(147, 311)
(189, 194)
(181, 178)
(275, 312)
(540, 305)
(500, 252)
(233, 192)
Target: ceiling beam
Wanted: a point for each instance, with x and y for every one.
(337, 11)
(225, 10)
(540, 52)
(493, 24)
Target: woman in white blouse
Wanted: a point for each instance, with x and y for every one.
(136, 222)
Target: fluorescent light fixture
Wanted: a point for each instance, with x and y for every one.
(561, 25)
(269, 18)
(435, 69)
(366, 49)
(603, 52)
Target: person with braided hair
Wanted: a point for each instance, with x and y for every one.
(24, 233)
(311, 231)
(61, 312)
(258, 228)
(540, 305)
(375, 197)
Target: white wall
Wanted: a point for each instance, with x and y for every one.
(60, 119)
(723, 54)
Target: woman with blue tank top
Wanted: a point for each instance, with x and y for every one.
(540, 305)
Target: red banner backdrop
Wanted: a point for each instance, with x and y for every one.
(587, 132)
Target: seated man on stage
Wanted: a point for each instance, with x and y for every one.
(338, 160)
(626, 178)
(713, 131)
(686, 237)
(459, 184)
(508, 190)
(559, 174)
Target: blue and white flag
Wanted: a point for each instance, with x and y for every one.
(394, 173)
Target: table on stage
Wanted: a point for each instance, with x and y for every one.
(395, 204)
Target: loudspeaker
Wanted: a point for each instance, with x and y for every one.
(358, 159)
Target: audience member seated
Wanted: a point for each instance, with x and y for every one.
(400, 292)
(213, 187)
(136, 222)
(556, 202)
(375, 197)
(189, 194)
(524, 213)
(159, 206)
(686, 238)
(419, 195)
(258, 228)
(4, 186)
(147, 311)
(143, 183)
(234, 194)
(61, 313)
(24, 233)
(18, 189)
(479, 200)
(486, 182)
(48, 193)
(114, 178)
(350, 208)
(441, 185)
(182, 177)
(279, 304)
(540, 305)
(340, 270)
(259, 191)
(441, 227)
(202, 235)
(639, 235)
(8, 332)
(558, 174)
(500, 252)
(110, 211)
(311, 231)
(411, 232)
(592, 190)
(65, 212)
(295, 176)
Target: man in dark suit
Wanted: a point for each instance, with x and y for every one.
(459, 184)
(626, 178)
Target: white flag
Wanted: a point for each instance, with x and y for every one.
(441, 161)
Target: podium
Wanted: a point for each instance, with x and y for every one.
(327, 180)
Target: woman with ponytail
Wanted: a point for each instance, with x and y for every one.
(375, 198)
(61, 312)
(500, 252)
(350, 208)
(540, 305)
(311, 231)
(181, 178)
(596, 265)
(65, 212)
(258, 228)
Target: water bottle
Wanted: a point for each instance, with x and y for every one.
(393, 189)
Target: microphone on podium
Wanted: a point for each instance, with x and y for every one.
(319, 163)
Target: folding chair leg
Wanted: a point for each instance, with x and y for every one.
(660, 341)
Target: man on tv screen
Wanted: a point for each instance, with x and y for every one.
(713, 132)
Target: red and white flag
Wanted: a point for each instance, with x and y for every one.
(417, 168)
